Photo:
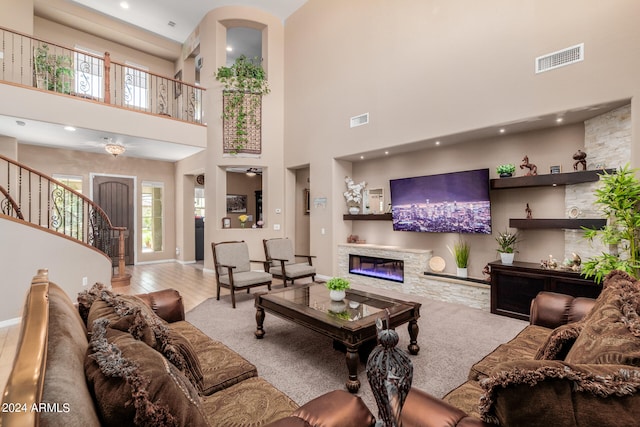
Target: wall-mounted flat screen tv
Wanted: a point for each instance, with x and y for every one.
(456, 202)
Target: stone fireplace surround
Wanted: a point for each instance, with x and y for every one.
(472, 294)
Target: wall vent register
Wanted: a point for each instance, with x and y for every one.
(360, 120)
(563, 57)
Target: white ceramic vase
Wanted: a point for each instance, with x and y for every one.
(354, 210)
(506, 257)
(337, 295)
(461, 272)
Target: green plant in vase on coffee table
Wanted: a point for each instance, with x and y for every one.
(337, 287)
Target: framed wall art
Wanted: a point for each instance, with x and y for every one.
(236, 203)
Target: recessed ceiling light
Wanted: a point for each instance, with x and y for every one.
(386, 152)
(437, 142)
(124, 5)
(361, 157)
(171, 24)
(559, 120)
(229, 48)
(502, 130)
(70, 128)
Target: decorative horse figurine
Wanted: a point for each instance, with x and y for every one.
(533, 169)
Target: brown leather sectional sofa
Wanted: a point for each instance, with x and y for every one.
(577, 364)
(122, 369)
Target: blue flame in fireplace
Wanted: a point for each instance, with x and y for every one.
(379, 268)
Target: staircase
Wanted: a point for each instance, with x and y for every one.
(30, 196)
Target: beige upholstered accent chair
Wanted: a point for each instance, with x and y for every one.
(233, 268)
(281, 261)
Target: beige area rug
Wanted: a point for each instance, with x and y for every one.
(304, 365)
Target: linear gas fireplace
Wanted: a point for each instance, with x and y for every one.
(380, 268)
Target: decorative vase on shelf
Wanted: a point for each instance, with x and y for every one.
(507, 257)
(354, 210)
(337, 295)
(461, 272)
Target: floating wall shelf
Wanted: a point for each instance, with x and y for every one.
(566, 223)
(368, 217)
(549, 180)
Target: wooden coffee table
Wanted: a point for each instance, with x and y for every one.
(351, 322)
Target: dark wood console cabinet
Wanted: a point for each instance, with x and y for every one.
(514, 286)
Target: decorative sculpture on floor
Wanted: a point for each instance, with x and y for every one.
(390, 374)
(533, 169)
(580, 158)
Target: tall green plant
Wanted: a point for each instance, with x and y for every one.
(618, 197)
(244, 80)
(460, 252)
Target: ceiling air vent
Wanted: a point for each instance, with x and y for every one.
(563, 57)
(360, 120)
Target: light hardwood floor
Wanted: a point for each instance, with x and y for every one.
(194, 284)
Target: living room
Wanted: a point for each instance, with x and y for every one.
(412, 103)
(439, 80)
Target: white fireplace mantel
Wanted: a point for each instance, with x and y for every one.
(415, 262)
(415, 281)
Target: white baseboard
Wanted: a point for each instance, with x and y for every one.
(160, 261)
(10, 322)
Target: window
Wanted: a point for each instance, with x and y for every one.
(243, 41)
(152, 214)
(136, 89)
(199, 202)
(89, 73)
(67, 211)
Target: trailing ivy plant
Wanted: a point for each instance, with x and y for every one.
(244, 80)
(618, 197)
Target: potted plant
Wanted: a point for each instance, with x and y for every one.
(337, 287)
(506, 170)
(51, 71)
(244, 85)
(460, 253)
(618, 198)
(353, 195)
(506, 246)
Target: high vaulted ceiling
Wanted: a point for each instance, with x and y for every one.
(151, 19)
(156, 15)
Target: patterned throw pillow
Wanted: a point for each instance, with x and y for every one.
(135, 385)
(131, 314)
(559, 342)
(611, 331)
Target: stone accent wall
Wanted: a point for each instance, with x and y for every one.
(608, 144)
(476, 295)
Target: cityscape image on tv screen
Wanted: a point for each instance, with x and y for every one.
(456, 202)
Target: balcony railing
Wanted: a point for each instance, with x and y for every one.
(29, 61)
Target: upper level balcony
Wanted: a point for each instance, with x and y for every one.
(28, 61)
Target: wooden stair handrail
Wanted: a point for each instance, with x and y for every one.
(66, 187)
(13, 203)
(96, 209)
